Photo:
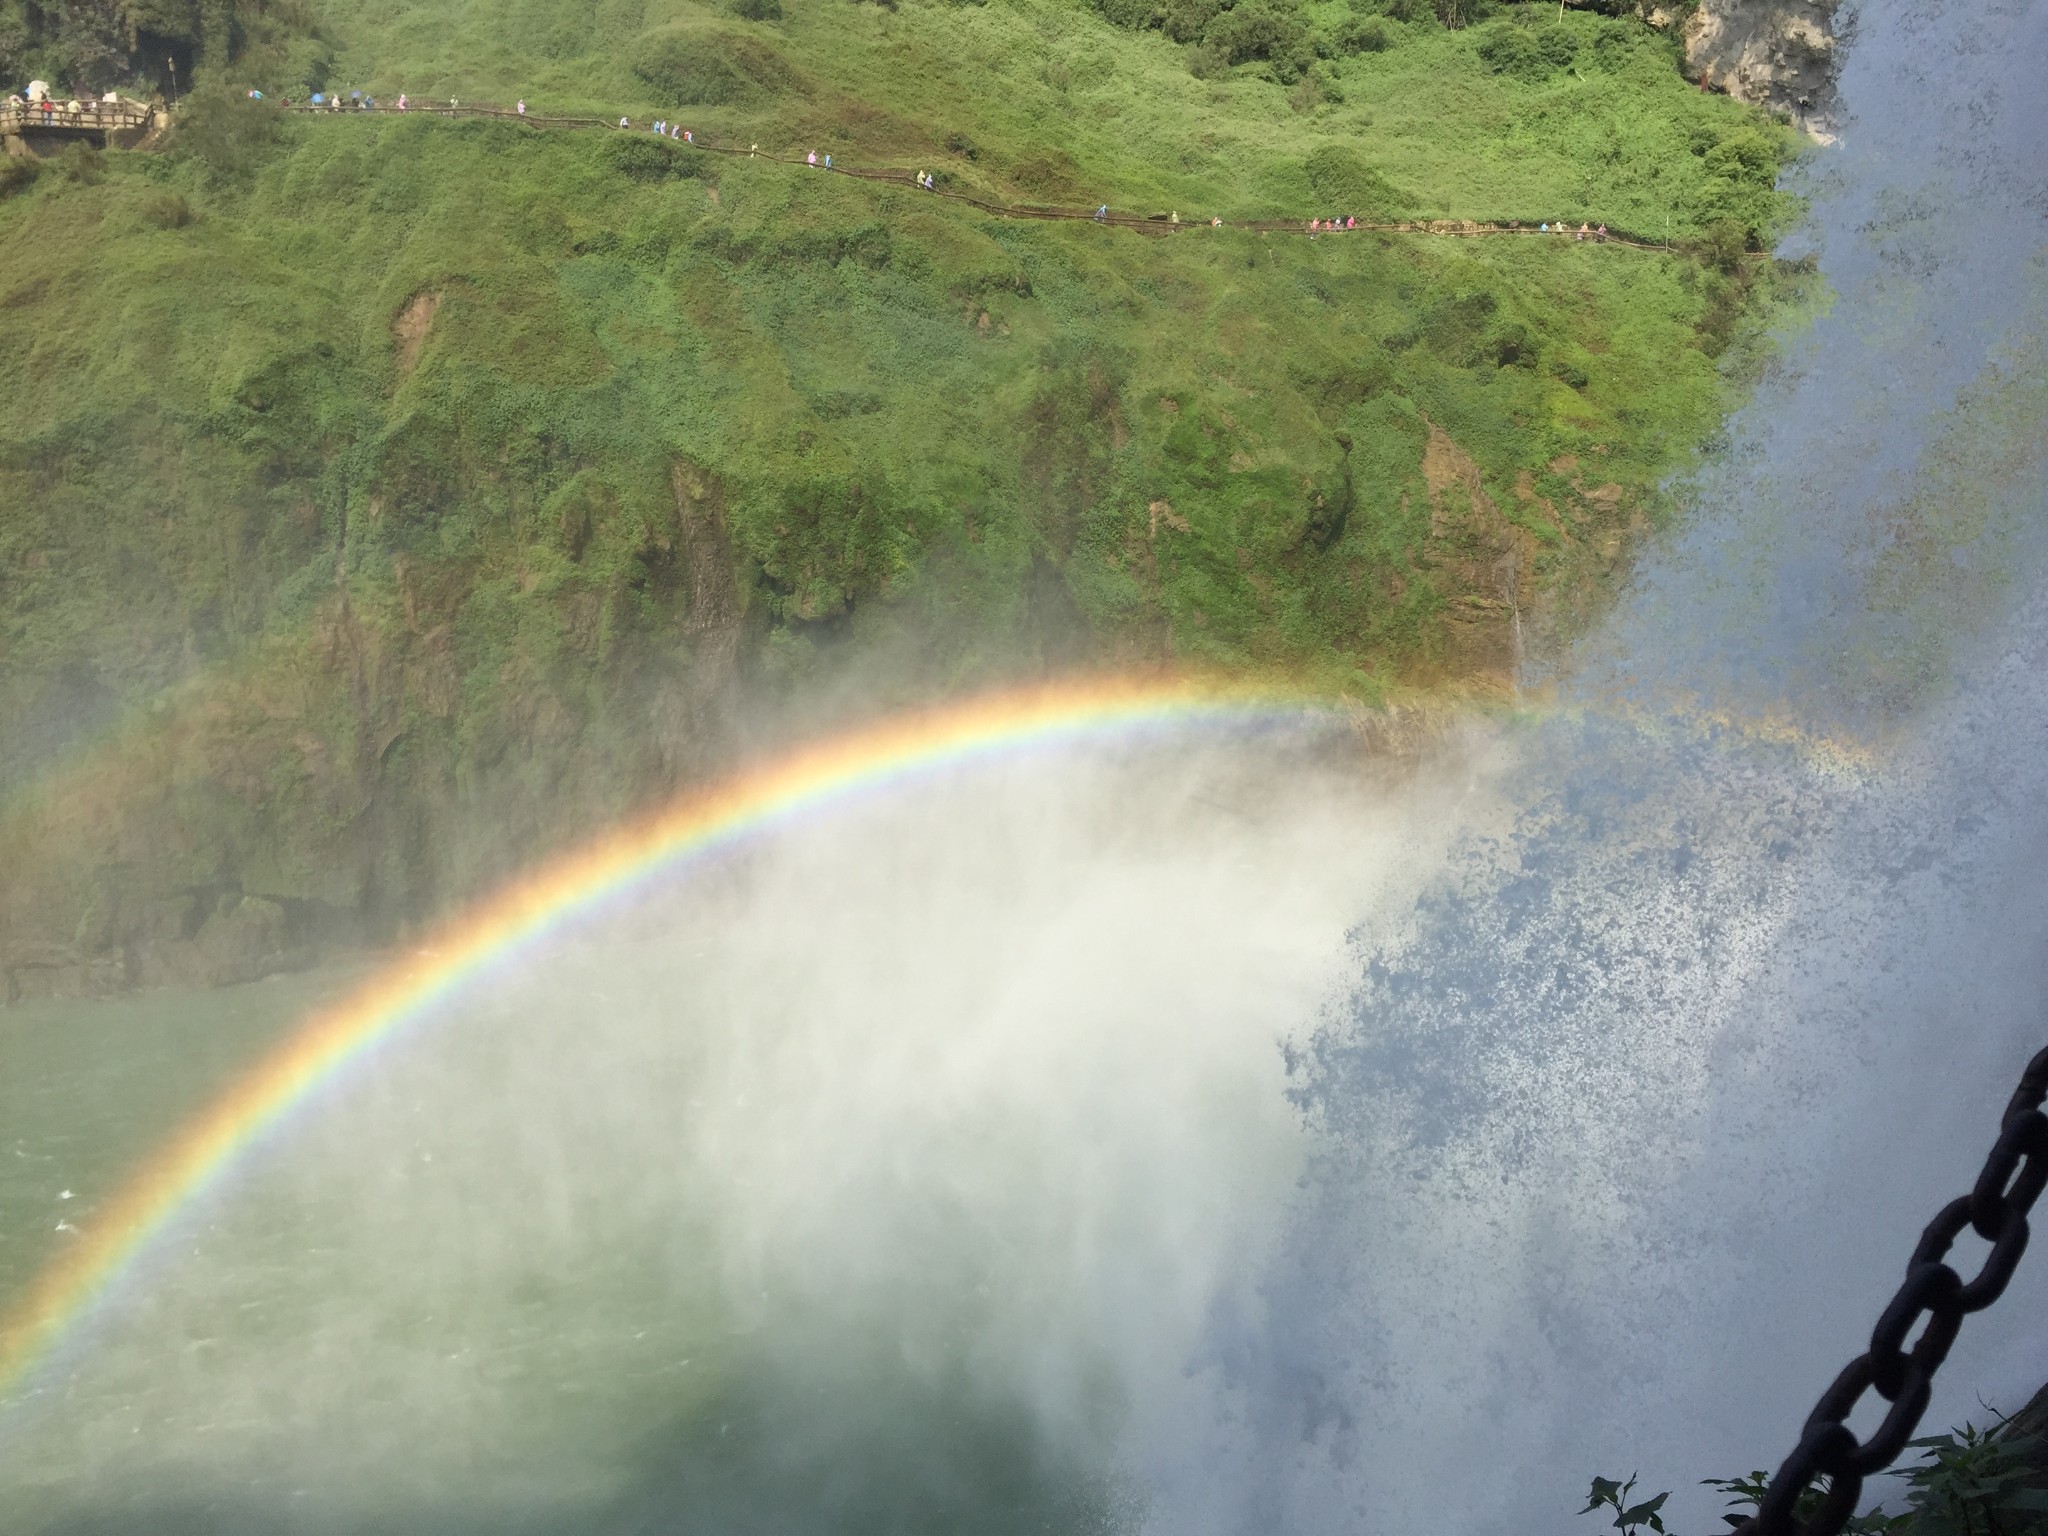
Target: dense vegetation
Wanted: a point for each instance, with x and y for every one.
(386, 498)
(148, 45)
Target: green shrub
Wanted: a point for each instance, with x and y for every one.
(1511, 344)
(1615, 45)
(1745, 156)
(1348, 184)
(702, 67)
(1187, 21)
(757, 10)
(1471, 330)
(228, 132)
(1134, 15)
(18, 173)
(1361, 35)
(166, 210)
(306, 64)
(1261, 29)
(643, 157)
(1528, 53)
(82, 165)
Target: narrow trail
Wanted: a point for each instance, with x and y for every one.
(1142, 223)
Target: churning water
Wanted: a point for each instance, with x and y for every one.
(886, 1178)
(1206, 1139)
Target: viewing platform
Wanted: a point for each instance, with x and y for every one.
(45, 127)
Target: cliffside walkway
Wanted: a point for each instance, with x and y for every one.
(1143, 223)
(92, 122)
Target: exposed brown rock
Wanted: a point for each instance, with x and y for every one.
(1775, 54)
(1161, 511)
(409, 330)
(1482, 561)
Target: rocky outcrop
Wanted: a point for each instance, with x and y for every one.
(1776, 54)
(1483, 561)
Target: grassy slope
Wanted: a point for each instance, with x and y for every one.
(1613, 138)
(684, 431)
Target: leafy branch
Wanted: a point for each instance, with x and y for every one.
(1609, 1494)
(1969, 1482)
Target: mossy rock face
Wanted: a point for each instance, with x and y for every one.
(709, 66)
(1345, 179)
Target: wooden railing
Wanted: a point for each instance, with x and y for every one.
(90, 117)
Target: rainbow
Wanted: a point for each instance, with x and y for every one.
(700, 825)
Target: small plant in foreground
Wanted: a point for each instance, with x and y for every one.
(1750, 1491)
(1969, 1482)
(1609, 1494)
(1973, 1482)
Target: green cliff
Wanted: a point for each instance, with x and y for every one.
(386, 499)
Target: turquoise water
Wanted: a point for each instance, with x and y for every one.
(88, 1088)
(343, 1340)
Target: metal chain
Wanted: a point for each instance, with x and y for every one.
(1996, 1209)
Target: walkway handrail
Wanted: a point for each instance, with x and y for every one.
(93, 115)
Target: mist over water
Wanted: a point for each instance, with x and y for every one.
(1636, 1116)
(1206, 1136)
(884, 1178)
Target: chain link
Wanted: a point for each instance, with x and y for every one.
(1996, 1210)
